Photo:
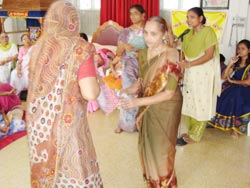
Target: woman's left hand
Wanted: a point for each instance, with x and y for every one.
(128, 103)
(231, 81)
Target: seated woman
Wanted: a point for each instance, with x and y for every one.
(11, 111)
(19, 76)
(233, 106)
(8, 55)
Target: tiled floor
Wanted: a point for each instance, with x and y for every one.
(218, 161)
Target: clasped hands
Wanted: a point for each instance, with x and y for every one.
(185, 64)
(130, 103)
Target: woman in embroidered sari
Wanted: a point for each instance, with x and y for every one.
(63, 78)
(202, 78)
(160, 103)
(233, 106)
(129, 42)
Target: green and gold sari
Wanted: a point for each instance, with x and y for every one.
(158, 133)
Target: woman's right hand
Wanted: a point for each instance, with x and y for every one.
(233, 60)
(128, 47)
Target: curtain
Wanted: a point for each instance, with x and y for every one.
(118, 10)
(152, 7)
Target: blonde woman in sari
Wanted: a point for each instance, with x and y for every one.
(202, 78)
(160, 103)
(63, 78)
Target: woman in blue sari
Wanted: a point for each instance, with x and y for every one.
(130, 41)
(233, 106)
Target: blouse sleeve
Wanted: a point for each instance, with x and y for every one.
(87, 68)
(172, 83)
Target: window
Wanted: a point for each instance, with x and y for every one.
(90, 4)
(179, 4)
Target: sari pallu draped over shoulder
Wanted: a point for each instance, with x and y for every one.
(156, 78)
(62, 153)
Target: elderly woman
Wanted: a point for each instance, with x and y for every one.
(8, 54)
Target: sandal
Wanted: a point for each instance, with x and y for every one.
(181, 142)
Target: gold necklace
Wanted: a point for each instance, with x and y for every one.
(151, 55)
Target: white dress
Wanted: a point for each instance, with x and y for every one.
(21, 83)
(201, 86)
(6, 68)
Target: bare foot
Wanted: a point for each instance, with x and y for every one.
(189, 140)
(184, 135)
(118, 130)
(4, 129)
(234, 135)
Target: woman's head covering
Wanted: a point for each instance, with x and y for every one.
(62, 19)
(59, 46)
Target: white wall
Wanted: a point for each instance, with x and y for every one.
(89, 21)
(233, 34)
(248, 23)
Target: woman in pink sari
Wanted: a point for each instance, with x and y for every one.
(63, 78)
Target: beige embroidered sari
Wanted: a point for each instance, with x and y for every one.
(62, 153)
(158, 133)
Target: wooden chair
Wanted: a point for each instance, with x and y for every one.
(107, 33)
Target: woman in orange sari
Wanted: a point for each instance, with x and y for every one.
(63, 78)
(160, 103)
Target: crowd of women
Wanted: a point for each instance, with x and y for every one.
(12, 83)
(64, 78)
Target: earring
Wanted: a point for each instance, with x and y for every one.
(165, 40)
